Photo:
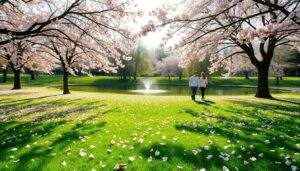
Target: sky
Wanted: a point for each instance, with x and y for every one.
(153, 39)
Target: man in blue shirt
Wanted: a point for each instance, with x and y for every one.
(194, 84)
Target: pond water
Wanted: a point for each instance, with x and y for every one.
(166, 90)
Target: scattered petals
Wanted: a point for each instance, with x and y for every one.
(120, 166)
(164, 159)
(82, 153)
(131, 158)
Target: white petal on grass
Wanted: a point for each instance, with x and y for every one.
(120, 166)
(150, 159)
(82, 153)
(92, 146)
(287, 162)
(64, 163)
(109, 150)
(225, 168)
(157, 153)
(294, 168)
(253, 158)
(141, 140)
(15, 161)
(163, 144)
(179, 167)
(91, 156)
(14, 149)
(195, 152)
(267, 141)
(202, 169)
(209, 157)
(164, 159)
(102, 164)
(246, 162)
(131, 158)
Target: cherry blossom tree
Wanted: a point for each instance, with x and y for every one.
(22, 19)
(82, 53)
(240, 64)
(169, 66)
(250, 27)
(4, 67)
(21, 54)
(231, 66)
(100, 24)
(283, 7)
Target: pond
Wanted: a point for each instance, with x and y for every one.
(166, 90)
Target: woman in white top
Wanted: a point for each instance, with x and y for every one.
(203, 84)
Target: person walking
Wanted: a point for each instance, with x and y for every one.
(194, 84)
(203, 84)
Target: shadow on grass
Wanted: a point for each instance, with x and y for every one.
(45, 108)
(37, 155)
(204, 102)
(291, 101)
(178, 153)
(271, 127)
(32, 125)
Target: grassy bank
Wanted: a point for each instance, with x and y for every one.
(46, 80)
(40, 129)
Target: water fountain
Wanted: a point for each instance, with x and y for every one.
(147, 84)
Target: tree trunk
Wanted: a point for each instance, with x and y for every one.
(246, 73)
(277, 80)
(134, 75)
(263, 82)
(66, 83)
(32, 75)
(4, 78)
(17, 79)
(169, 77)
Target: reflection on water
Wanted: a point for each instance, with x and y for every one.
(167, 90)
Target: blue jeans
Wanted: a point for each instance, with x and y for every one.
(194, 91)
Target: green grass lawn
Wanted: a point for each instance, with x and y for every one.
(47, 80)
(40, 129)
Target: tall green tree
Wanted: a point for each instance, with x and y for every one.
(141, 61)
